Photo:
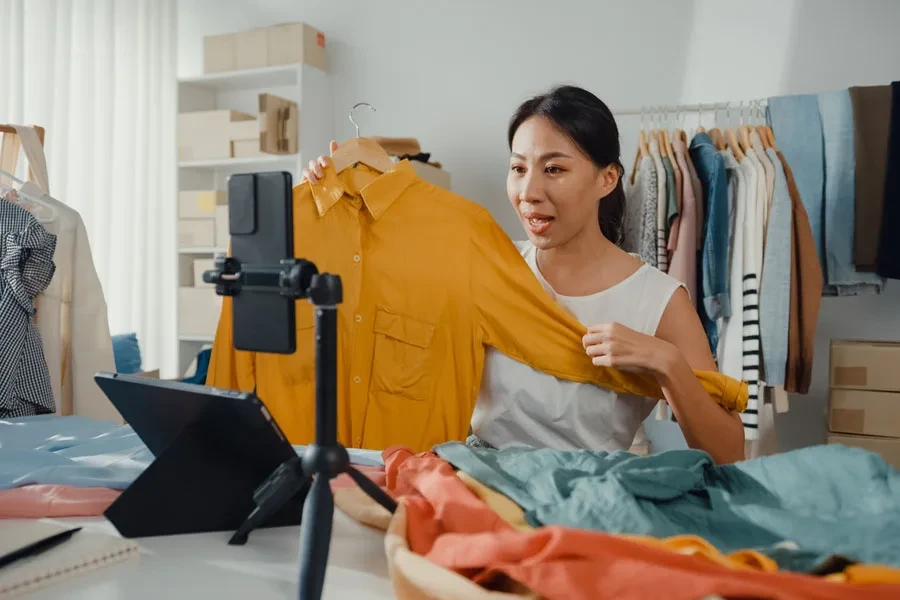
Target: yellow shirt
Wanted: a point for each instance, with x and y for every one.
(429, 279)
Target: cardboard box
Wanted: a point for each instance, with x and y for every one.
(223, 237)
(862, 365)
(245, 148)
(206, 134)
(243, 130)
(278, 125)
(252, 48)
(219, 53)
(200, 204)
(282, 44)
(198, 311)
(888, 448)
(864, 412)
(201, 265)
(297, 43)
(431, 174)
(196, 233)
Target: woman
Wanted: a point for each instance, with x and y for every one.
(565, 184)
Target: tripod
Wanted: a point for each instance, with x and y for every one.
(308, 477)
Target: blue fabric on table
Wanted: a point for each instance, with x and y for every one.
(84, 452)
(822, 500)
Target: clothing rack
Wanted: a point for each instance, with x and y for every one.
(688, 108)
(11, 129)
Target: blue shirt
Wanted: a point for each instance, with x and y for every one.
(710, 169)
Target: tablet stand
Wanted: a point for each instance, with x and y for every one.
(308, 478)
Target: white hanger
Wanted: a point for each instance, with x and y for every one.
(40, 202)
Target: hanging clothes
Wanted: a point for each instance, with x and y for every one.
(888, 263)
(841, 276)
(662, 205)
(731, 338)
(775, 287)
(871, 131)
(683, 265)
(715, 303)
(73, 318)
(26, 268)
(798, 129)
(806, 292)
(640, 233)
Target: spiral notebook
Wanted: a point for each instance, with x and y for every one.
(85, 551)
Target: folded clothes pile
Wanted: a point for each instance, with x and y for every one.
(822, 522)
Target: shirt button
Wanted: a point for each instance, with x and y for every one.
(356, 379)
(356, 258)
(359, 318)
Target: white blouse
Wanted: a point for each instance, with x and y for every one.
(518, 405)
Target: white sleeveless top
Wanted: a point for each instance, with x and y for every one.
(519, 405)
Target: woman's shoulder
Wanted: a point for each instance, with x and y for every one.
(661, 284)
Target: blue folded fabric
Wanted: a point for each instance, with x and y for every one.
(799, 507)
(83, 452)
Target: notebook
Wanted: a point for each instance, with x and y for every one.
(84, 551)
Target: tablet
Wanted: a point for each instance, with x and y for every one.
(213, 448)
(158, 410)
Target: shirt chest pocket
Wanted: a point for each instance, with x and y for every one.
(402, 363)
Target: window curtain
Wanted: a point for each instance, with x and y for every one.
(100, 76)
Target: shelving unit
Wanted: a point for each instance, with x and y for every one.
(309, 87)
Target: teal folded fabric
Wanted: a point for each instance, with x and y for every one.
(798, 507)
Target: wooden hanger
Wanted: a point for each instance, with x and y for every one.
(716, 136)
(361, 150)
(770, 137)
(732, 141)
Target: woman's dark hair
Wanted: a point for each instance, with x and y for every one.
(590, 124)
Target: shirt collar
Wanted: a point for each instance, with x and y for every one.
(378, 196)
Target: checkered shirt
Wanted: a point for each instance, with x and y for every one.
(26, 269)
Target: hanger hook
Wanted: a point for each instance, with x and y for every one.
(642, 118)
(350, 114)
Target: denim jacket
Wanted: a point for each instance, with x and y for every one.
(714, 248)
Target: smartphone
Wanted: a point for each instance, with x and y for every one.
(261, 226)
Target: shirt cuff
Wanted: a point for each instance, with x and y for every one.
(717, 306)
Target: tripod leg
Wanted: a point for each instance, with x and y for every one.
(372, 490)
(318, 513)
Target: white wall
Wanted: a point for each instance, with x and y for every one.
(450, 72)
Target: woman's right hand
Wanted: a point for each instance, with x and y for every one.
(315, 170)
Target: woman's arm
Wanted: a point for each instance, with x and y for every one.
(679, 348)
(705, 424)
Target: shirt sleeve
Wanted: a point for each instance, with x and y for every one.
(516, 316)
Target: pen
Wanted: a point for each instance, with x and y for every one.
(38, 547)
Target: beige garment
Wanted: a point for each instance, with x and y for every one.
(769, 169)
(413, 576)
(72, 312)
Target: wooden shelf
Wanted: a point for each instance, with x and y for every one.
(250, 79)
(289, 161)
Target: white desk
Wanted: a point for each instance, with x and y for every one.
(205, 566)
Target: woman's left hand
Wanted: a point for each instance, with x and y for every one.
(623, 348)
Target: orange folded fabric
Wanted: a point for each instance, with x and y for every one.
(445, 522)
(40, 501)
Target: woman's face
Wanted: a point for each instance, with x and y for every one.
(553, 186)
